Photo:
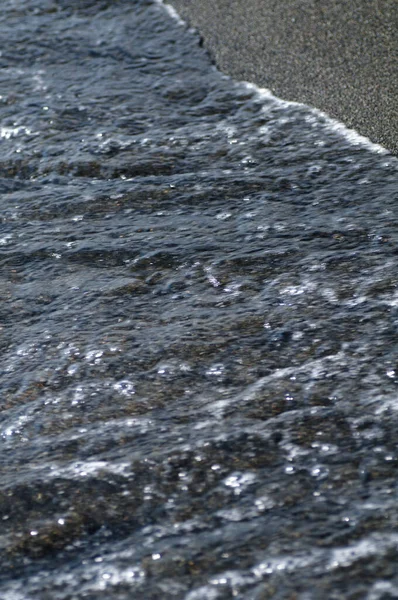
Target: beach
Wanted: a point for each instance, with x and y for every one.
(340, 57)
(198, 315)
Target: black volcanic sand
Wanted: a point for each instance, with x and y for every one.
(340, 57)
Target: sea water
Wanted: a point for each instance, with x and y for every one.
(199, 312)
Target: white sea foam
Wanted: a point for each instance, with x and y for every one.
(334, 125)
(172, 12)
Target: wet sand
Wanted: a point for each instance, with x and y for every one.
(339, 56)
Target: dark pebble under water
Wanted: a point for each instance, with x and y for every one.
(199, 312)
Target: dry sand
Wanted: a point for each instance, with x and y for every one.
(340, 56)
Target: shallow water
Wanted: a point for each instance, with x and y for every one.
(199, 308)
